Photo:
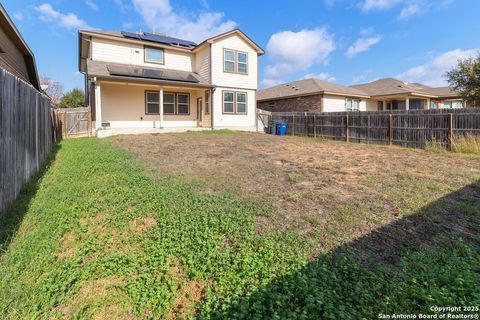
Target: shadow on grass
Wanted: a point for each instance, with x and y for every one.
(431, 258)
(12, 218)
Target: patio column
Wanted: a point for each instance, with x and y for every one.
(407, 103)
(98, 106)
(428, 104)
(161, 106)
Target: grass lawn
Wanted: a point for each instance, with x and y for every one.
(236, 225)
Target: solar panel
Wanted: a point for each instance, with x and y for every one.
(138, 72)
(151, 37)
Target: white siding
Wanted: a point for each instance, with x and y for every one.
(129, 53)
(234, 121)
(220, 78)
(202, 63)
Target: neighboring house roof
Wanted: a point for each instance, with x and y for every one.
(307, 87)
(7, 25)
(391, 86)
(443, 92)
(118, 71)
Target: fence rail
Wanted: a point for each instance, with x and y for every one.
(26, 134)
(412, 128)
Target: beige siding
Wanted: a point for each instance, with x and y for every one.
(371, 105)
(337, 104)
(12, 60)
(234, 121)
(129, 53)
(221, 78)
(124, 107)
(202, 63)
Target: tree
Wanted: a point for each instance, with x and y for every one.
(465, 79)
(52, 88)
(73, 99)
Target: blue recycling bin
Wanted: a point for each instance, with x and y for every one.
(281, 129)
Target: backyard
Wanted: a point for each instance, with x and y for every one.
(221, 224)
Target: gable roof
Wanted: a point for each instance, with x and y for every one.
(308, 87)
(7, 25)
(391, 86)
(238, 32)
(173, 42)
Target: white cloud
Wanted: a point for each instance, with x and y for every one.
(362, 45)
(371, 5)
(18, 16)
(408, 7)
(160, 17)
(409, 10)
(432, 72)
(291, 52)
(320, 76)
(68, 20)
(92, 4)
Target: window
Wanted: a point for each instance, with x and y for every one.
(183, 103)
(154, 55)
(234, 102)
(229, 61)
(241, 102)
(447, 104)
(207, 102)
(152, 102)
(457, 105)
(380, 105)
(228, 103)
(433, 105)
(169, 103)
(173, 103)
(352, 104)
(235, 61)
(242, 63)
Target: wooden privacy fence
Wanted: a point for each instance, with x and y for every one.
(411, 128)
(72, 122)
(26, 134)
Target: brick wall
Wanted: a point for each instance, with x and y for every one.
(299, 104)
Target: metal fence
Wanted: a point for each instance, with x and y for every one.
(411, 128)
(26, 134)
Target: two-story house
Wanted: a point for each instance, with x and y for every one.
(147, 80)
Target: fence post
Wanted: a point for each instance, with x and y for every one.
(314, 125)
(89, 124)
(64, 126)
(305, 125)
(390, 129)
(450, 132)
(293, 123)
(347, 138)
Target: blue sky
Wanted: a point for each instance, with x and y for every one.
(336, 40)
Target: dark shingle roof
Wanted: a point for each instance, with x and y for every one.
(307, 87)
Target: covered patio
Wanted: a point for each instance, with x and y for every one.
(402, 102)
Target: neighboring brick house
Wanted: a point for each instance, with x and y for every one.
(314, 95)
(310, 95)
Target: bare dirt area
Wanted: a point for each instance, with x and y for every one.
(331, 192)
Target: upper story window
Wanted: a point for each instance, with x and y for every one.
(235, 61)
(352, 104)
(154, 55)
